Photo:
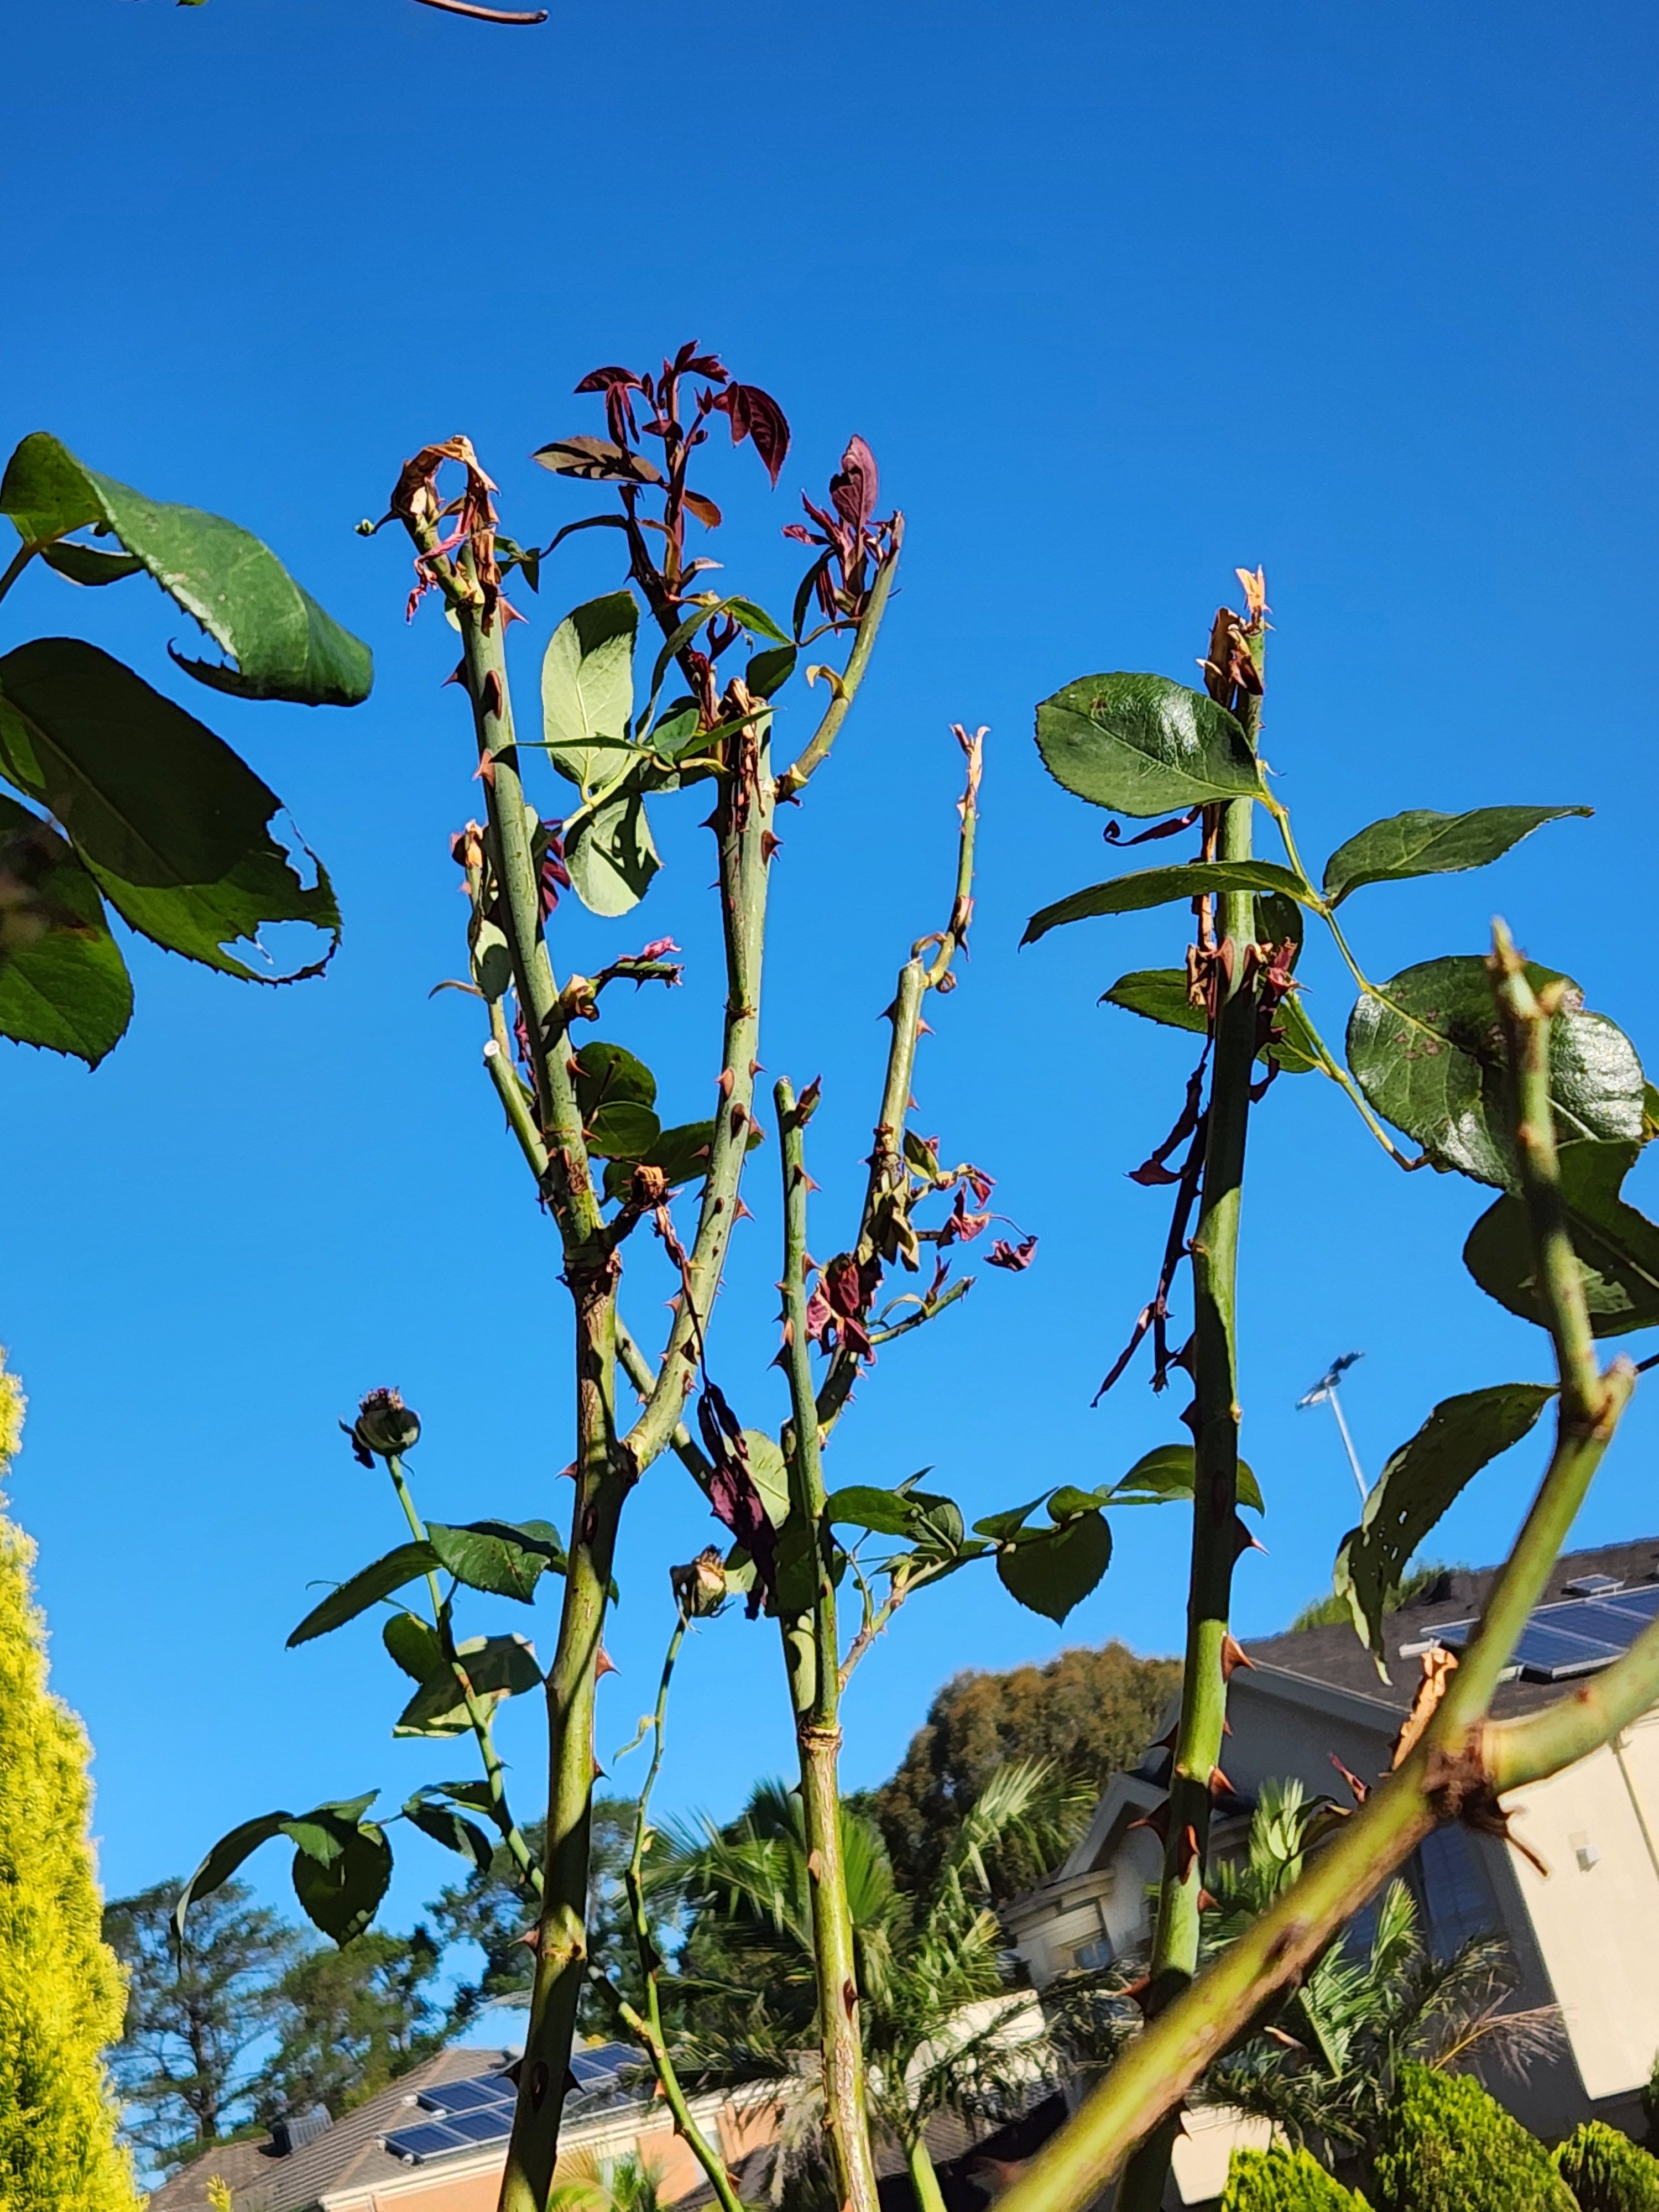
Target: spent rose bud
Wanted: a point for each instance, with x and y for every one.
(384, 1425)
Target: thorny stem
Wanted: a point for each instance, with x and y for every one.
(1214, 1415)
(812, 1655)
(889, 1177)
(478, 1712)
(812, 754)
(1462, 1763)
(649, 2026)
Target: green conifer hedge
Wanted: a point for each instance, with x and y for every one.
(1447, 2146)
(1283, 2181)
(1606, 2171)
(61, 1996)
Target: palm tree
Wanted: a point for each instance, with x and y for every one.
(1326, 2066)
(945, 2028)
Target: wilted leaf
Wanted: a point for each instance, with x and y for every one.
(1428, 1052)
(1424, 843)
(1416, 1487)
(172, 824)
(1141, 745)
(283, 645)
(1149, 887)
(63, 984)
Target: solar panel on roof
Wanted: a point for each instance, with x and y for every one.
(493, 2126)
(470, 2096)
(1575, 1635)
(431, 2141)
(1593, 1585)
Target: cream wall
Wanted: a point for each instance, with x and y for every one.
(1595, 1918)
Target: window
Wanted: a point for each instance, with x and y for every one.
(1094, 1954)
(1455, 1892)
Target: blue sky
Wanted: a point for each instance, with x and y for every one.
(1122, 296)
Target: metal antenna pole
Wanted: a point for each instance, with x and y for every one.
(1326, 1392)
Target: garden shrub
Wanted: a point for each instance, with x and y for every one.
(1283, 2181)
(1448, 2145)
(61, 1995)
(1606, 2171)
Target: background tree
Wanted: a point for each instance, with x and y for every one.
(1087, 1713)
(350, 2020)
(186, 2061)
(493, 1910)
(60, 1987)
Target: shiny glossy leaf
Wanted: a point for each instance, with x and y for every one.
(284, 646)
(1424, 843)
(605, 1074)
(1164, 1474)
(1057, 1570)
(173, 825)
(1428, 1054)
(587, 690)
(496, 1556)
(497, 1666)
(1617, 1247)
(1149, 887)
(1141, 744)
(63, 984)
(366, 1587)
(769, 671)
(1419, 1484)
(612, 857)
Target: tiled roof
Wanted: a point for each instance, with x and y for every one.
(348, 2153)
(1335, 1655)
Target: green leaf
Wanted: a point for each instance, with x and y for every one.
(1159, 994)
(1149, 887)
(413, 1644)
(587, 690)
(623, 1132)
(1000, 1526)
(1165, 1475)
(283, 643)
(1428, 1054)
(222, 1861)
(366, 1587)
(493, 1556)
(63, 984)
(324, 1833)
(1067, 1503)
(884, 1512)
(755, 620)
(605, 1073)
(85, 564)
(1056, 1570)
(1617, 1248)
(611, 858)
(1141, 744)
(1278, 918)
(769, 671)
(445, 1825)
(682, 1154)
(1424, 843)
(1416, 1487)
(343, 1897)
(173, 825)
(770, 1472)
(497, 1666)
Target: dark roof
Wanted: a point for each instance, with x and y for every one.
(1335, 1655)
(348, 2151)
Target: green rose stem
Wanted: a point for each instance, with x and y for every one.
(648, 2026)
(812, 1656)
(478, 1712)
(1214, 1416)
(1461, 1762)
